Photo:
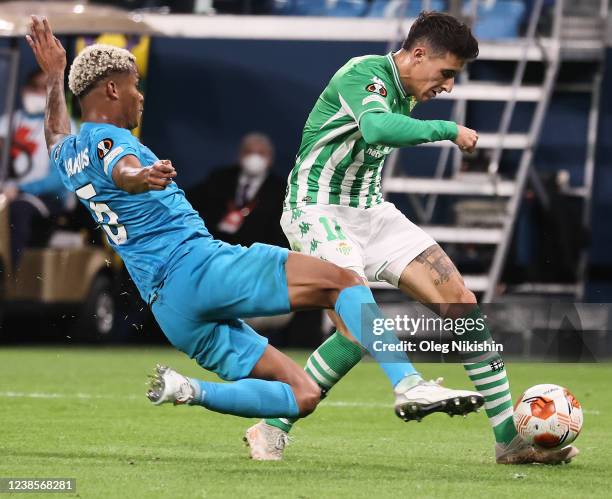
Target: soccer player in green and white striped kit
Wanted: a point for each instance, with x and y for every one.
(334, 209)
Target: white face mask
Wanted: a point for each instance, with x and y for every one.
(254, 164)
(34, 103)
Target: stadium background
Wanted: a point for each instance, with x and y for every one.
(235, 86)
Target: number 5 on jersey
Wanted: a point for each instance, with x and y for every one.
(115, 231)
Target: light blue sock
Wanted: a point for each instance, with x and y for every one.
(358, 310)
(250, 398)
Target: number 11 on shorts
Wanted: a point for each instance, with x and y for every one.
(332, 234)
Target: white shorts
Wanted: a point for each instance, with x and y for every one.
(377, 243)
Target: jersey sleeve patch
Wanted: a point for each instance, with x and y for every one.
(110, 146)
(104, 147)
(377, 86)
(106, 153)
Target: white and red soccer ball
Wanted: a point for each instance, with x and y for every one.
(548, 416)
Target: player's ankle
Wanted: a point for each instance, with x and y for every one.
(408, 382)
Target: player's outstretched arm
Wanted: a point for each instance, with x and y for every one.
(398, 130)
(130, 176)
(51, 58)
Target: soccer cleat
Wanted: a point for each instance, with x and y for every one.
(427, 397)
(520, 452)
(166, 385)
(266, 442)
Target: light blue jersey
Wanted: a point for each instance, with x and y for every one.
(197, 286)
(148, 230)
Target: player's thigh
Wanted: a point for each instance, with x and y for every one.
(320, 231)
(231, 282)
(229, 348)
(326, 257)
(393, 244)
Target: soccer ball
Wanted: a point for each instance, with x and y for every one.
(548, 416)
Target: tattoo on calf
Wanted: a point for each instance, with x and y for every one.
(439, 263)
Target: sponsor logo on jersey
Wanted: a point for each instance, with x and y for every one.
(104, 147)
(375, 153)
(378, 151)
(378, 87)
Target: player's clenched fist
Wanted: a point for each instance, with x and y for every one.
(159, 174)
(466, 138)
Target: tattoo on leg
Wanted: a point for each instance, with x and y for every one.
(439, 263)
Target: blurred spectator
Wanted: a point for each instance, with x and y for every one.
(243, 203)
(34, 190)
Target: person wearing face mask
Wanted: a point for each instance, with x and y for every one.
(33, 189)
(240, 201)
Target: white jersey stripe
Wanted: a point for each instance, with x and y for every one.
(309, 160)
(341, 112)
(349, 178)
(346, 107)
(332, 163)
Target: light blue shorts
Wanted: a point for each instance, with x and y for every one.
(199, 303)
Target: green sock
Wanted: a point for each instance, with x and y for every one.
(488, 373)
(326, 366)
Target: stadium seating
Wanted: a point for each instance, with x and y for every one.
(495, 19)
(498, 19)
(333, 8)
(396, 8)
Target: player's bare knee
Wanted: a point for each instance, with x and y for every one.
(307, 396)
(459, 302)
(343, 279)
(308, 402)
(465, 296)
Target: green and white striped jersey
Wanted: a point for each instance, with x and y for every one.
(335, 165)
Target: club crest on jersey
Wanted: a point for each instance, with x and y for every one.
(104, 147)
(378, 87)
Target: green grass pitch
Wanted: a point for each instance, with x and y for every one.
(81, 413)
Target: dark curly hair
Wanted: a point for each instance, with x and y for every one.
(443, 33)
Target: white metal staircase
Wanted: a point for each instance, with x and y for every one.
(578, 34)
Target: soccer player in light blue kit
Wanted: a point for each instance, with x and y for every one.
(198, 287)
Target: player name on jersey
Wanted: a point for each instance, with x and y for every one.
(77, 163)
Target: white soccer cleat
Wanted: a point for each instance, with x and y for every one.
(520, 452)
(166, 385)
(266, 442)
(427, 397)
